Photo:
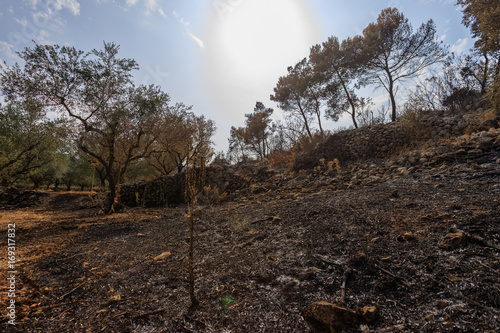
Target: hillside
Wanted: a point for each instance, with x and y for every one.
(409, 243)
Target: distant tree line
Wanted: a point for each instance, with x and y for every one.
(387, 54)
(102, 126)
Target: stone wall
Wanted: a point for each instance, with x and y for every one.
(357, 144)
(169, 190)
(385, 140)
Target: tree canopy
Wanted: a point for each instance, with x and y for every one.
(393, 52)
(117, 122)
(27, 140)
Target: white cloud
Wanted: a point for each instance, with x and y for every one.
(198, 41)
(153, 6)
(32, 3)
(8, 50)
(162, 13)
(22, 22)
(131, 3)
(186, 24)
(43, 37)
(71, 5)
(460, 46)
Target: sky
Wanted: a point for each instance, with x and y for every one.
(220, 56)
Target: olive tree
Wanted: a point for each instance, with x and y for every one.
(116, 121)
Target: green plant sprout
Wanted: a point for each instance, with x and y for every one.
(227, 302)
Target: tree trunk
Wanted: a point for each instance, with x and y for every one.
(393, 98)
(305, 120)
(110, 200)
(319, 122)
(349, 99)
(484, 80)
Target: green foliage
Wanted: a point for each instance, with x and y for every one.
(78, 171)
(117, 123)
(28, 140)
(227, 302)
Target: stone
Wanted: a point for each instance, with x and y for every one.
(368, 313)
(407, 236)
(441, 304)
(452, 241)
(488, 124)
(359, 258)
(162, 256)
(331, 317)
(462, 124)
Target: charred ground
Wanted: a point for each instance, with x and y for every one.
(267, 254)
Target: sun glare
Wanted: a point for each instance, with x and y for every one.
(250, 43)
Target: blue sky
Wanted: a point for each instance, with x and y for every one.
(221, 56)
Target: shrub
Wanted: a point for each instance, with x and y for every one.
(212, 196)
(411, 120)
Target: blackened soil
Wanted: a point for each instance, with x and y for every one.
(261, 260)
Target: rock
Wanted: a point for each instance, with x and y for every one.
(488, 124)
(368, 313)
(162, 256)
(441, 304)
(331, 317)
(452, 241)
(407, 236)
(462, 124)
(359, 259)
(141, 235)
